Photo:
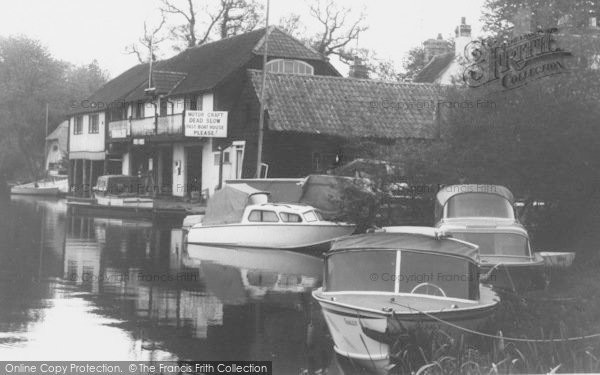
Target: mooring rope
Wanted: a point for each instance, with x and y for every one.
(520, 339)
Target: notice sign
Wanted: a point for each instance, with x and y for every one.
(212, 124)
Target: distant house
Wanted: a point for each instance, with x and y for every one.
(56, 149)
(132, 126)
(445, 67)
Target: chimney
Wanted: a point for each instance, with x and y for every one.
(358, 69)
(463, 37)
(433, 47)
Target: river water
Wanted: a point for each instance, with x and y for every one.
(89, 288)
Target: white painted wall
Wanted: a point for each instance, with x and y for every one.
(179, 177)
(53, 155)
(86, 141)
(125, 168)
(208, 102)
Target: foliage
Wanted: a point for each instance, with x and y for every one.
(414, 62)
(30, 79)
(502, 15)
(220, 19)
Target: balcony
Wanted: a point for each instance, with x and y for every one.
(146, 127)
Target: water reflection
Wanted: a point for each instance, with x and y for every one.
(83, 288)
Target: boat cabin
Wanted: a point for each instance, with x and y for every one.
(281, 213)
(495, 239)
(402, 263)
(119, 185)
(474, 201)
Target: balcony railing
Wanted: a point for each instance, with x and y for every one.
(144, 127)
(118, 129)
(170, 125)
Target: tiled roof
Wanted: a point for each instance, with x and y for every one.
(204, 66)
(434, 68)
(282, 45)
(348, 107)
(163, 82)
(113, 91)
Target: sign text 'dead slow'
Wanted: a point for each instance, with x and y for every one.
(211, 124)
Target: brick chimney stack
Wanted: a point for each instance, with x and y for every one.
(435, 47)
(358, 69)
(463, 37)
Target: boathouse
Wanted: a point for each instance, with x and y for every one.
(139, 123)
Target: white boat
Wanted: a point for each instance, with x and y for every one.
(380, 286)
(241, 216)
(484, 215)
(121, 191)
(235, 274)
(52, 186)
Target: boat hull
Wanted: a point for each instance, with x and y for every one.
(273, 236)
(514, 274)
(363, 335)
(125, 202)
(44, 191)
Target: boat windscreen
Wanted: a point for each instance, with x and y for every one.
(227, 205)
(479, 205)
(454, 276)
(375, 270)
(497, 243)
(361, 271)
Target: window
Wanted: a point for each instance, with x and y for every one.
(479, 205)
(55, 148)
(140, 110)
(289, 66)
(93, 127)
(288, 217)
(191, 103)
(78, 125)
(497, 243)
(263, 216)
(163, 107)
(225, 158)
(311, 216)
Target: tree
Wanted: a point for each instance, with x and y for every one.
(338, 29)
(414, 62)
(500, 16)
(147, 46)
(202, 24)
(30, 79)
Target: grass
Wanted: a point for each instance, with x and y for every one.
(570, 307)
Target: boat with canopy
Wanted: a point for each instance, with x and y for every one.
(239, 215)
(378, 286)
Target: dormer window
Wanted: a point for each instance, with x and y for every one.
(290, 66)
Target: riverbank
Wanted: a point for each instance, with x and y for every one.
(567, 310)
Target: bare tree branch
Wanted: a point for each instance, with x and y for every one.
(147, 45)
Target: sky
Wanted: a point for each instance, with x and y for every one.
(79, 31)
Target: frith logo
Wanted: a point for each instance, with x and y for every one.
(514, 63)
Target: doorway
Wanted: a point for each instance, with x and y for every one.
(166, 170)
(194, 171)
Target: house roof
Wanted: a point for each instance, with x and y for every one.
(348, 106)
(114, 91)
(200, 68)
(60, 134)
(163, 82)
(434, 68)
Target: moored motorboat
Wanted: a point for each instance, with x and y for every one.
(238, 215)
(52, 186)
(122, 191)
(484, 215)
(378, 286)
